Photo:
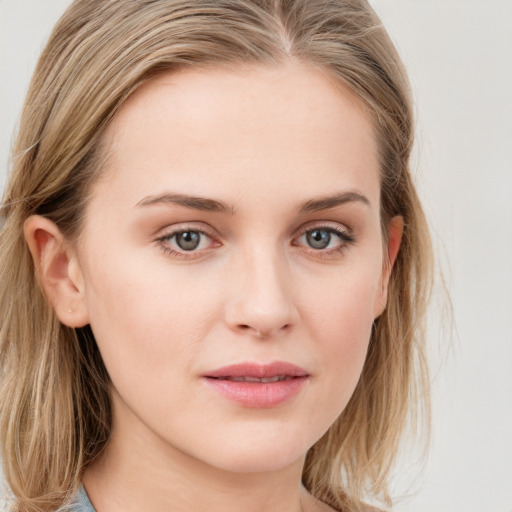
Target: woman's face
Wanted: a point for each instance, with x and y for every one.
(231, 262)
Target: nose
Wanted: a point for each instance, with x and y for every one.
(262, 302)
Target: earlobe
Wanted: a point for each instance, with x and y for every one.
(395, 231)
(58, 270)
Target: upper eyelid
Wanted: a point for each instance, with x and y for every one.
(337, 226)
(183, 227)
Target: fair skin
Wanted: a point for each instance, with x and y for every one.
(175, 288)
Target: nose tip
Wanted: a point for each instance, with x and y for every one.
(264, 306)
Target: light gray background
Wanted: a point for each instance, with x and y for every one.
(459, 56)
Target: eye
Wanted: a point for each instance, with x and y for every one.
(325, 239)
(318, 238)
(188, 240)
(185, 242)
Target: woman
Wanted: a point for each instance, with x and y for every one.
(215, 264)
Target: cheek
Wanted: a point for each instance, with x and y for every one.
(145, 318)
(340, 318)
(341, 306)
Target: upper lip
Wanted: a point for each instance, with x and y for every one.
(257, 370)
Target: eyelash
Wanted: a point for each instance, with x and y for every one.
(346, 239)
(163, 241)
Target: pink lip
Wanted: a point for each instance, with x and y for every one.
(258, 394)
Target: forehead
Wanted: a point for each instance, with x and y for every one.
(250, 127)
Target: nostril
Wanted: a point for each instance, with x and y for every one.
(263, 332)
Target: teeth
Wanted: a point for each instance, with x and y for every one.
(277, 378)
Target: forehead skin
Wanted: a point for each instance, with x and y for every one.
(236, 120)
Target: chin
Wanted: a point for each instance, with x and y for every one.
(257, 452)
(265, 461)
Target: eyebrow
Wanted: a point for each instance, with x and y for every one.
(213, 205)
(327, 202)
(192, 202)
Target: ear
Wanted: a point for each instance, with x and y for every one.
(58, 270)
(395, 231)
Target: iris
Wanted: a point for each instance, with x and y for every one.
(318, 238)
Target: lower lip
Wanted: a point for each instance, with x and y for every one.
(258, 394)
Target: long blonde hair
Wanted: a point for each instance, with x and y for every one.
(54, 400)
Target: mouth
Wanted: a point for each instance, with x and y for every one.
(255, 372)
(258, 386)
(264, 380)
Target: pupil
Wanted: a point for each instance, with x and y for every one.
(318, 238)
(188, 240)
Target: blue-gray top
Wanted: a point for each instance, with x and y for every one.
(80, 504)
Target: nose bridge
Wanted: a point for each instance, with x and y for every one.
(262, 301)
